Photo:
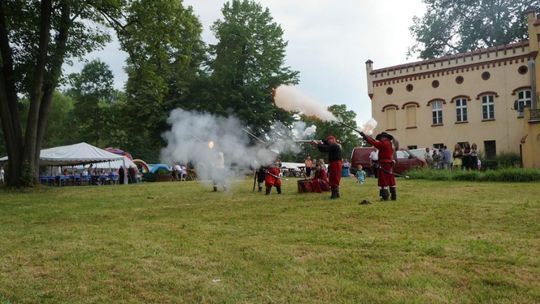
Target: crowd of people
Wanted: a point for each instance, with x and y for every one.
(463, 157)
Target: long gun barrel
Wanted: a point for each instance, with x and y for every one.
(349, 127)
(305, 141)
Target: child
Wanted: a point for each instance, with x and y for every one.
(360, 175)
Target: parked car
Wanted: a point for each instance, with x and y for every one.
(405, 160)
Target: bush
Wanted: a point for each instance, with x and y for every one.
(506, 160)
(499, 175)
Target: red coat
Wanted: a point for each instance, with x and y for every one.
(272, 177)
(386, 157)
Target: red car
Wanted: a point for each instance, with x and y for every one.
(405, 160)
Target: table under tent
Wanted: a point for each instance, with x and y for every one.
(81, 164)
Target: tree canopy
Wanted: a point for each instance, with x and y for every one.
(457, 26)
(247, 63)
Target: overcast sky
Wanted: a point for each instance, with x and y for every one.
(329, 43)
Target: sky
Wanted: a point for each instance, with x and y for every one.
(329, 42)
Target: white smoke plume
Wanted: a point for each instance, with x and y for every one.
(369, 126)
(292, 99)
(198, 138)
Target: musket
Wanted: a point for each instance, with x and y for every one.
(304, 141)
(349, 127)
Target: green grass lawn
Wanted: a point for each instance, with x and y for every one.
(441, 242)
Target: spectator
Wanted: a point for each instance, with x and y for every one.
(2, 175)
(457, 155)
(308, 163)
(374, 161)
(360, 175)
(447, 158)
(474, 157)
(428, 158)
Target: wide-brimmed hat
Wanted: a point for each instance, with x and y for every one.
(384, 134)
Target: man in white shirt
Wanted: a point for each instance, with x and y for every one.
(374, 161)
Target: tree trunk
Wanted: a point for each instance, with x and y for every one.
(9, 112)
(52, 80)
(29, 166)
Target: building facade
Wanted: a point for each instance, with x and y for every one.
(487, 97)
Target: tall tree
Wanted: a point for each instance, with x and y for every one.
(456, 26)
(247, 62)
(163, 40)
(35, 39)
(93, 92)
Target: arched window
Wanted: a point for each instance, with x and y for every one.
(391, 118)
(436, 110)
(411, 115)
(461, 109)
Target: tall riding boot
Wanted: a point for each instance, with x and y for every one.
(393, 194)
(260, 188)
(337, 193)
(268, 189)
(334, 194)
(278, 188)
(381, 190)
(215, 188)
(384, 194)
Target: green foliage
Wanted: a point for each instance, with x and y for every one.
(60, 128)
(247, 63)
(93, 92)
(456, 26)
(163, 40)
(499, 175)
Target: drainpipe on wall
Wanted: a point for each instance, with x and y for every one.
(532, 72)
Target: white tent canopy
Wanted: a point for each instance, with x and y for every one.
(76, 154)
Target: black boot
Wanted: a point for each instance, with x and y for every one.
(215, 189)
(278, 188)
(393, 194)
(337, 193)
(384, 194)
(260, 188)
(334, 194)
(268, 189)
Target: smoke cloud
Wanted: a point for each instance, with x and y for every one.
(198, 138)
(291, 99)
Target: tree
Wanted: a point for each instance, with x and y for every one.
(36, 37)
(456, 26)
(93, 92)
(163, 40)
(247, 63)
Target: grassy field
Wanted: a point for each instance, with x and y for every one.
(441, 242)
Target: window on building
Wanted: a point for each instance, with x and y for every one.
(461, 110)
(391, 118)
(438, 146)
(412, 147)
(524, 100)
(490, 149)
(436, 110)
(488, 107)
(411, 115)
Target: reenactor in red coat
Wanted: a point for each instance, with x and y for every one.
(386, 179)
(272, 178)
(335, 162)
